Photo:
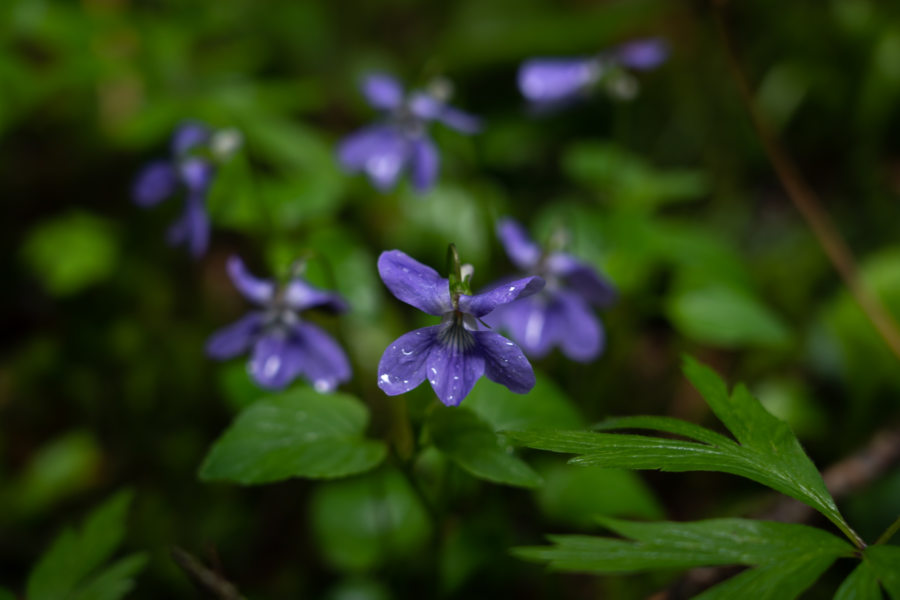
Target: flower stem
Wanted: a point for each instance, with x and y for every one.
(806, 200)
(885, 537)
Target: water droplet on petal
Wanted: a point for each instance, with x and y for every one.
(406, 352)
(386, 378)
(512, 288)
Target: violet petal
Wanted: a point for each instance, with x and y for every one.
(322, 360)
(300, 295)
(414, 283)
(382, 91)
(551, 80)
(425, 162)
(520, 248)
(275, 361)
(453, 371)
(154, 183)
(260, 291)
(644, 54)
(504, 362)
(582, 278)
(188, 136)
(380, 151)
(402, 366)
(483, 303)
(234, 339)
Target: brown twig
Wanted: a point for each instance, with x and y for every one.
(204, 577)
(842, 479)
(806, 200)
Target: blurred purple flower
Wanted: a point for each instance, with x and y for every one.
(561, 314)
(400, 142)
(551, 82)
(185, 171)
(456, 353)
(283, 346)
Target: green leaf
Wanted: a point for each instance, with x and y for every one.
(299, 433)
(885, 563)
(74, 556)
(544, 407)
(577, 495)
(668, 545)
(472, 444)
(768, 452)
(363, 522)
(723, 316)
(782, 580)
(5, 594)
(861, 584)
(113, 582)
(71, 252)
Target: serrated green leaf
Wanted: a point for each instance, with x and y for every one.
(885, 563)
(299, 433)
(726, 317)
(667, 545)
(784, 580)
(667, 424)
(768, 452)
(113, 582)
(363, 522)
(861, 584)
(544, 407)
(472, 444)
(76, 555)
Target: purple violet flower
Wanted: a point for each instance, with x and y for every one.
(456, 353)
(284, 346)
(189, 169)
(552, 82)
(561, 314)
(385, 150)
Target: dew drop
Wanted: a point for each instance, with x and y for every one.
(433, 370)
(512, 289)
(386, 378)
(406, 352)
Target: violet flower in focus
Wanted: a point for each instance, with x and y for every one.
(190, 170)
(400, 142)
(552, 82)
(456, 353)
(283, 346)
(561, 314)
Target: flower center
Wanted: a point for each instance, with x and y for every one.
(456, 331)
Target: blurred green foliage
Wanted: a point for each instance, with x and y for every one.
(103, 380)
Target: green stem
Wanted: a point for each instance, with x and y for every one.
(885, 537)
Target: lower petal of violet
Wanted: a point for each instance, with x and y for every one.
(402, 366)
(579, 332)
(322, 360)
(379, 151)
(453, 369)
(424, 164)
(234, 339)
(504, 362)
(276, 361)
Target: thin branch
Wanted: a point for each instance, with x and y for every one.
(806, 200)
(204, 577)
(885, 537)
